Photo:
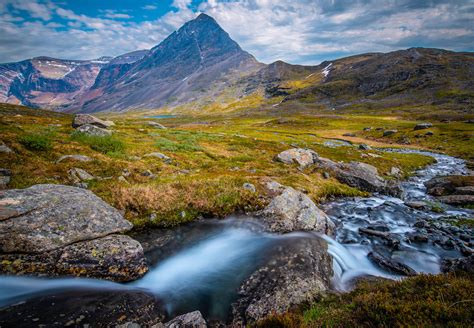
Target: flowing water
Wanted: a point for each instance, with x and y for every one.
(205, 262)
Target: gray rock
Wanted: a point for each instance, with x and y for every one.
(395, 171)
(303, 157)
(349, 134)
(47, 217)
(148, 174)
(122, 179)
(273, 188)
(387, 133)
(457, 200)
(165, 158)
(83, 119)
(108, 124)
(77, 175)
(80, 158)
(390, 264)
(250, 187)
(296, 272)
(5, 149)
(93, 130)
(364, 147)
(467, 190)
(417, 205)
(448, 185)
(465, 264)
(422, 126)
(5, 178)
(292, 211)
(156, 125)
(187, 320)
(367, 129)
(429, 133)
(326, 175)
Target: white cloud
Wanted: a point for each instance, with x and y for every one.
(150, 7)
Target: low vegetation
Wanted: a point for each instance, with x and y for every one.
(35, 142)
(421, 301)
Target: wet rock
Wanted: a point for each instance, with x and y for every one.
(86, 308)
(373, 232)
(5, 177)
(422, 126)
(446, 185)
(156, 125)
(418, 237)
(457, 200)
(387, 133)
(292, 211)
(303, 157)
(93, 130)
(364, 147)
(468, 190)
(79, 158)
(360, 175)
(188, 320)
(86, 119)
(5, 149)
(465, 264)
(390, 264)
(250, 187)
(297, 272)
(395, 171)
(77, 175)
(417, 205)
(165, 158)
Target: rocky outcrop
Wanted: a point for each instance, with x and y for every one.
(296, 272)
(83, 119)
(303, 157)
(360, 175)
(292, 210)
(107, 307)
(93, 130)
(56, 230)
(457, 190)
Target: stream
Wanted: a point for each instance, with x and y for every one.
(201, 265)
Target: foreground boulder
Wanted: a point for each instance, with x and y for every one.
(85, 308)
(56, 230)
(291, 210)
(301, 156)
(83, 119)
(295, 273)
(360, 175)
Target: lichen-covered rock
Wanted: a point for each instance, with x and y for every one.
(47, 217)
(295, 273)
(188, 320)
(79, 158)
(161, 156)
(293, 211)
(83, 119)
(303, 157)
(93, 130)
(77, 175)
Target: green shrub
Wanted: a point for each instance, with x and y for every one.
(170, 145)
(36, 142)
(105, 145)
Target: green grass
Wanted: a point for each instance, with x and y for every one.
(175, 146)
(421, 301)
(109, 145)
(36, 142)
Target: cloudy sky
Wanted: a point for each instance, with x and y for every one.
(297, 31)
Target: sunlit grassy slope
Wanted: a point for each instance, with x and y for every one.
(211, 156)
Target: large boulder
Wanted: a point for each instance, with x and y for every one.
(361, 176)
(93, 130)
(301, 156)
(56, 229)
(292, 210)
(457, 190)
(83, 119)
(295, 272)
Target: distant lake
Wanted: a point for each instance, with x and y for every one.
(161, 116)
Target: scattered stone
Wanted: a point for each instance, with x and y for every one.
(148, 174)
(390, 264)
(422, 126)
(250, 187)
(5, 177)
(5, 149)
(80, 158)
(292, 211)
(303, 157)
(349, 134)
(429, 133)
(395, 171)
(294, 273)
(156, 125)
(165, 158)
(188, 320)
(326, 175)
(77, 175)
(93, 130)
(387, 133)
(86, 119)
(122, 179)
(367, 129)
(417, 205)
(364, 147)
